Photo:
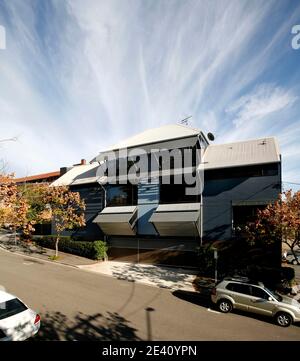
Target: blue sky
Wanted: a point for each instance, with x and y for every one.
(78, 76)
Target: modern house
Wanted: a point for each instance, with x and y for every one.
(154, 218)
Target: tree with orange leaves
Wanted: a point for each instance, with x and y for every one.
(279, 221)
(67, 210)
(21, 207)
(13, 207)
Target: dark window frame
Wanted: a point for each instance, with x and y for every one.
(266, 295)
(175, 193)
(234, 287)
(258, 170)
(130, 200)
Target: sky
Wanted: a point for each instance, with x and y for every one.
(77, 76)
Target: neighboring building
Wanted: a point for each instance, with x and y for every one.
(160, 223)
(47, 177)
(39, 178)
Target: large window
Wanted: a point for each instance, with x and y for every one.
(121, 195)
(176, 193)
(244, 214)
(242, 172)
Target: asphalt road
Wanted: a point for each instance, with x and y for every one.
(79, 305)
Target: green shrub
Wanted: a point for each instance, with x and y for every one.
(93, 250)
(100, 248)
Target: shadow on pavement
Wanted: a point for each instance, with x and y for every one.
(97, 327)
(160, 276)
(33, 260)
(193, 297)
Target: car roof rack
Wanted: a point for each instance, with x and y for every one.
(243, 279)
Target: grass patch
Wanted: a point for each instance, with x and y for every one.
(54, 258)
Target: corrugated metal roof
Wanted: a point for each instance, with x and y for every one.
(78, 175)
(257, 151)
(155, 135)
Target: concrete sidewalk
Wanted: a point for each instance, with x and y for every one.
(164, 277)
(158, 276)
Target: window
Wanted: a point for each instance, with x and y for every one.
(259, 293)
(175, 193)
(240, 288)
(121, 195)
(259, 170)
(244, 214)
(11, 308)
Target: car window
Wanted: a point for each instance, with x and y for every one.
(258, 292)
(11, 308)
(275, 295)
(240, 288)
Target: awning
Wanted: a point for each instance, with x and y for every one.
(177, 219)
(117, 220)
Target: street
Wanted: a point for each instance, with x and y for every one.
(79, 305)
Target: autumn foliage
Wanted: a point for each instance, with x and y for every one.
(67, 210)
(24, 206)
(13, 207)
(279, 221)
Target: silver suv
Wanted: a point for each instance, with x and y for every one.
(247, 296)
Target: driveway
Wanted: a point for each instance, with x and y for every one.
(164, 277)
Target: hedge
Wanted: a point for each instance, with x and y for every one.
(93, 250)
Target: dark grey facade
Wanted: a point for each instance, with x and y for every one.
(224, 193)
(158, 223)
(94, 202)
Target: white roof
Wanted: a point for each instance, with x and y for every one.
(156, 135)
(79, 174)
(4, 296)
(178, 207)
(248, 152)
(123, 209)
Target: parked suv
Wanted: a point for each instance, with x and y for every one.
(255, 297)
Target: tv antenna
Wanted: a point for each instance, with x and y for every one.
(185, 121)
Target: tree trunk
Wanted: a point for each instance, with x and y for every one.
(15, 234)
(56, 246)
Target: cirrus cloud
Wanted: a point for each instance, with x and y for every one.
(265, 100)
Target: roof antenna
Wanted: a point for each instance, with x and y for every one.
(185, 121)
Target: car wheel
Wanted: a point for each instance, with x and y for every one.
(283, 319)
(224, 306)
